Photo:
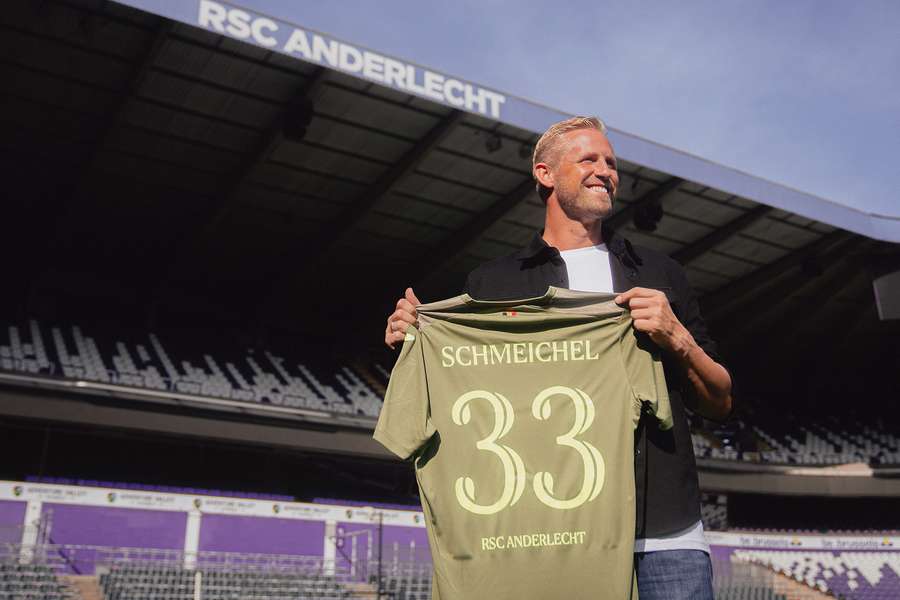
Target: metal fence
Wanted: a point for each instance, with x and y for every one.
(229, 575)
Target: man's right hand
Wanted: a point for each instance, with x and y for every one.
(401, 319)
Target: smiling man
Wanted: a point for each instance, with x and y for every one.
(575, 169)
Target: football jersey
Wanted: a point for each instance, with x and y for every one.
(519, 417)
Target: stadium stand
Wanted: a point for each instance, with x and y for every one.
(29, 579)
(148, 574)
(816, 443)
(161, 582)
(714, 511)
(260, 377)
(856, 575)
(737, 581)
(264, 377)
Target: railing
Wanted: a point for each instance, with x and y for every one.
(171, 396)
(273, 572)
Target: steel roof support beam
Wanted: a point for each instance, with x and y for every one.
(470, 232)
(309, 252)
(786, 303)
(229, 192)
(649, 197)
(421, 269)
(264, 148)
(61, 225)
(720, 234)
(717, 303)
(358, 208)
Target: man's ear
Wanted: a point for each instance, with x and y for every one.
(543, 175)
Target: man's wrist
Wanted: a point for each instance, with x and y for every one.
(684, 345)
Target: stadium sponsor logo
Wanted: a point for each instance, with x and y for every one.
(101, 497)
(316, 48)
(533, 540)
(854, 544)
(518, 353)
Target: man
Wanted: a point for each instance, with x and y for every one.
(575, 169)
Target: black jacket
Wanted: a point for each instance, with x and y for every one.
(667, 493)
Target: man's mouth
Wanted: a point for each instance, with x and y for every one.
(597, 188)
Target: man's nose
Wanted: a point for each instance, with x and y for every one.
(602, 171)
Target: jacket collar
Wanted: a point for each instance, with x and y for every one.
(624, 268)
(536, 247)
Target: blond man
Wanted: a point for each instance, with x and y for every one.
(575, 170)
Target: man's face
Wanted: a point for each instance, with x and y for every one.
(585, 178)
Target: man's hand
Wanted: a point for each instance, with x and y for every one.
(652, 314)
(401, 319)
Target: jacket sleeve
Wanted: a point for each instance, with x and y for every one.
(690, 317)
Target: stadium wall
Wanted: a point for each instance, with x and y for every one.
(116, 518)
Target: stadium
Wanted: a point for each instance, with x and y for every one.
(210, 214)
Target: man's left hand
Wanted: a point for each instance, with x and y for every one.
(652, 314)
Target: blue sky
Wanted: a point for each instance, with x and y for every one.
(802, 92)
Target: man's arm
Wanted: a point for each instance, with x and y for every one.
(652, 314)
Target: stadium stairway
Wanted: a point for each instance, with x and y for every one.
(795, 590)
(22, 581)
(87, 586)
(365, 372)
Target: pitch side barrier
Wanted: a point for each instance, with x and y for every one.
(857, 480)
(194, 526)
(82, 527)
(790, 541)
(265, 31)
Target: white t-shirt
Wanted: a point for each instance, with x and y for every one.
(589, 271)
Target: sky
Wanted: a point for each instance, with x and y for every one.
(801, 92)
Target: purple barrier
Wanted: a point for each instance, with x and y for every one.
(229, 533)
(720, 553)
(12, 515)
(110, 526)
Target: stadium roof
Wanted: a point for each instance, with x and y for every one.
(324, 50)
(196, 157)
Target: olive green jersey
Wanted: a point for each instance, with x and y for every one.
(520, 418)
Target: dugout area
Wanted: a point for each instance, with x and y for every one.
(159, 175)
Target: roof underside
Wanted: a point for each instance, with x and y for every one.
(151, 166)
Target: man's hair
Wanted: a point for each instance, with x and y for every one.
(549, 142)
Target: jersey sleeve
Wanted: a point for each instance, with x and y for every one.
(646, 377)
(404, 424)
